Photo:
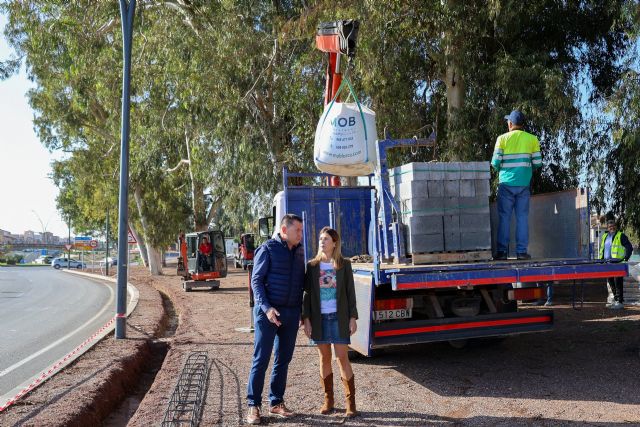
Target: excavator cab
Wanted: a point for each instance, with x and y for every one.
(202, 259)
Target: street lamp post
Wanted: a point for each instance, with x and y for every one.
(43, 225)
(69, 244)
(127, 10)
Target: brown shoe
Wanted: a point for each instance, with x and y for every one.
(253, 416)
(350, 394)
(281, 411)
(327, 385)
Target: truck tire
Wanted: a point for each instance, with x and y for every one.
(57, 266)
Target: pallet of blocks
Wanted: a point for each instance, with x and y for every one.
(445, 210)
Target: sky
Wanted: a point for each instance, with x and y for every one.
(27, 194)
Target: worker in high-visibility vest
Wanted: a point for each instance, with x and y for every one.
(515, 157)
(615, 247)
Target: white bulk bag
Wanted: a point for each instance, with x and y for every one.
(345, 138)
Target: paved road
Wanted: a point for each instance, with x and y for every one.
(44, 314)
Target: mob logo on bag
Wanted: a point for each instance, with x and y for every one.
(343, 121)
(345, 137)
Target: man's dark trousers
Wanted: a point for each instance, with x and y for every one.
(616, 284)
(268, 335)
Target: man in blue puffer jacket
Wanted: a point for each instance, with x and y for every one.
(277, 283)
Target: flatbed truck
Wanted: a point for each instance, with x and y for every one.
(400, 303)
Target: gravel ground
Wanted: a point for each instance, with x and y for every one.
(585, 371)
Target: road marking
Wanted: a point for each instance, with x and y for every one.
(52, 345)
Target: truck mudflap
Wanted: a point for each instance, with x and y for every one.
(422, 331)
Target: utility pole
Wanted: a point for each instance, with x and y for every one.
(127, 10)
(106, 263)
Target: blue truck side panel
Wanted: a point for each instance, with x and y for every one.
(351, 210)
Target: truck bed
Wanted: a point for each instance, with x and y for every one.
(407, 276)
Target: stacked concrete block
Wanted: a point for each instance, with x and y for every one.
(445, 206)
(452, 233)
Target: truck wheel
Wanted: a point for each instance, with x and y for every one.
(57, 266)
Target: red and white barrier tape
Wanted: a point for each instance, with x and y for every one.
(55, 366)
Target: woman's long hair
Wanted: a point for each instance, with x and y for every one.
(337, 251)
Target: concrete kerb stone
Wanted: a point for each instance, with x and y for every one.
(32, 383)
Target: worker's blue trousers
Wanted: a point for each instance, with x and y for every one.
(281, 340)
(512, 198)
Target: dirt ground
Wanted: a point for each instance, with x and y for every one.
(583, 372)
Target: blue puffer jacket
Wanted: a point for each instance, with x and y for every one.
(278, 275)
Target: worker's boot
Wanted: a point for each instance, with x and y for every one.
(350, 394)
(327, 385)
(500, 256)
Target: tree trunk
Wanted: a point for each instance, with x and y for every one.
(155, 261)
(455, 84)
(197, 193)
(142, 246)
(151, 254)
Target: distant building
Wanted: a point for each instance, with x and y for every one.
(6, 238)
(29, 236)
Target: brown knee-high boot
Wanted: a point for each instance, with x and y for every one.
(327, 385)
(350, 394)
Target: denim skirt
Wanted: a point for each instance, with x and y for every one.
(330, 332)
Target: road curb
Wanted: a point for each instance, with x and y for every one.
(31, 384)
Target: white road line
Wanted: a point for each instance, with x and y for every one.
(52, 345)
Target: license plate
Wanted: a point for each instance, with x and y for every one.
(400, 313)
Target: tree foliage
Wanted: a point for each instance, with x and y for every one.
(225, 93)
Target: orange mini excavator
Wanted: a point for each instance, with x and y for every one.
(202, 259)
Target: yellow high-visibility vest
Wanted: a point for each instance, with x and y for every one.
(617, 250)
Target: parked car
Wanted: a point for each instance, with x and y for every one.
(44, 260)
(112, 262)
(59, 263)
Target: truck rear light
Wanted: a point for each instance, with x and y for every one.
(394, 304)
(524, 294)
